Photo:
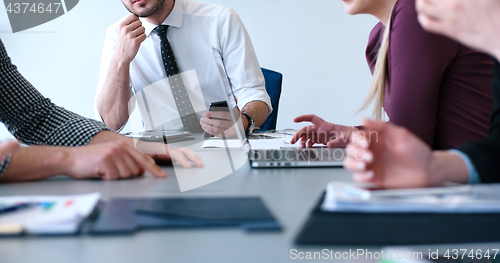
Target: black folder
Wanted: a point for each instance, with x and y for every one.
(348, 228)
(122, 216)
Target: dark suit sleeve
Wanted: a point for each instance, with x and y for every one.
(485, 154)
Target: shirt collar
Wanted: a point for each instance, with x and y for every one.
(173, 19)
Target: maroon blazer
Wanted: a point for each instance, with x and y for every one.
(438, 89)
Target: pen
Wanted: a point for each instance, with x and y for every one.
(16, 207)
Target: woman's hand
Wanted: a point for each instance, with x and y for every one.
(332, 135)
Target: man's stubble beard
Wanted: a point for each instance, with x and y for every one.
(150, 11)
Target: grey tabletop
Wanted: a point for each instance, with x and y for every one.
(289, 193)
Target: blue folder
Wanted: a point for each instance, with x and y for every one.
(381, 229)
(121, 216)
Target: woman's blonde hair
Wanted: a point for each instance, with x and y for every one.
(379, 80)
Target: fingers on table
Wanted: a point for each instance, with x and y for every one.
(146, 162)
(193, 157)
(179, 156)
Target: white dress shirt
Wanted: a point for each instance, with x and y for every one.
(210, 44)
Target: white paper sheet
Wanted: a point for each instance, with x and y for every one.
(220, 143)
(457, 199)
(59, 215)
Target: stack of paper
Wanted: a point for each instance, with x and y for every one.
(456, 199)
(161, 136)
(49, 214)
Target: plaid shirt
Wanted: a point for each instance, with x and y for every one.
(34, 119)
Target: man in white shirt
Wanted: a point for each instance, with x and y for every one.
(208, 42)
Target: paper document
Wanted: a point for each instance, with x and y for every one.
(51, 214)
(457, 199)
(268, 144)
(286, 135)
(220, 143)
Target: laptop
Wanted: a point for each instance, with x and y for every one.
(287, 157)
(280, 156)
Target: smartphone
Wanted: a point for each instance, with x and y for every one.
(217, 106)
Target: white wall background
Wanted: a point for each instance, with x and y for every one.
(318, 48)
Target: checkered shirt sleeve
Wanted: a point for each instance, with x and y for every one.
(34, 119)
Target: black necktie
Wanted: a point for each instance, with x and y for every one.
(181, 97)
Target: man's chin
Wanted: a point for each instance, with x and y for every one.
(143, 13)
(141, 10)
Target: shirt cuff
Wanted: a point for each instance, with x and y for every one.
(4, 164)
(472, 171)
(255, 94)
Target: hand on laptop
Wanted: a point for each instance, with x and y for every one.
(323, 132)
(7, 148)
(389, 157)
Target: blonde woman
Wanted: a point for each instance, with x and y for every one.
(435, 87)
(400, 160)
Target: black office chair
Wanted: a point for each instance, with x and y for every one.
(274, 81)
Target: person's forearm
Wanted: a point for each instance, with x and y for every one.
(447, 167)
(109, 136)
(258, 110)
(113, 101)
(37, 162)
(141, 146)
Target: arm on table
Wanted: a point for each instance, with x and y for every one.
(34, 120)
(108, 156)
(108, 160)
